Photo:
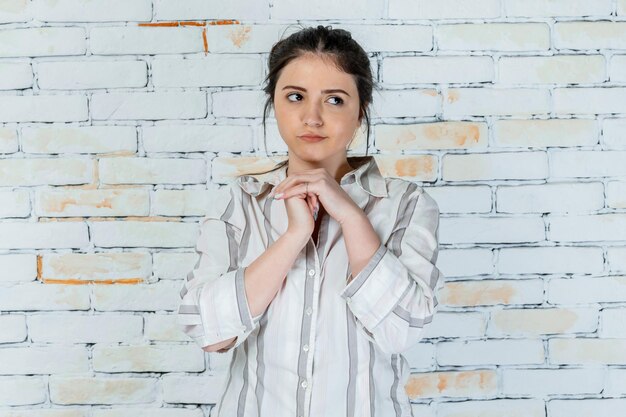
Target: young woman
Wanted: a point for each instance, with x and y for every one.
(320, 273)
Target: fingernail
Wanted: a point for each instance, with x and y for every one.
(279, 195)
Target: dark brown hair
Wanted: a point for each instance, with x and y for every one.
(335, 44)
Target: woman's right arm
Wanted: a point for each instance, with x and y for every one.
(264, 277)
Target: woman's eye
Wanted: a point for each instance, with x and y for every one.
(339, 99)
(293, 94)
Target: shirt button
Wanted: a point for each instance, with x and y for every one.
(309, 310)
(311, 272)
(243, 329)
(304, 384)
(305, 348)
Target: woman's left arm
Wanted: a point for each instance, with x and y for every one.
(392, 294)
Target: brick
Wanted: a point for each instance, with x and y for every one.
(612, 323)
(489, 352)
(493, 37)
(590, 228)
(42, 41)
(161, 296)
(491, 230)
(616, 381)
(78, 139)
(443, 9)
(437, 69)
(563, 197)
(22, 235)
(495, 165)
(494, 407)
(210, 9)
(18, 267)
(68, 202)
(617, 68)
(8, 140)
(72, 328)
(45, 171)
(542, 382)
(92, 11)
(45, 412)
(543, 133)
(327, 9)
(197, 138)
(188, 202)
(148, 358)
(193, 389)
(474, 383)
(241, 38)
(96, 266)
(612, 136)
(149, 105)
(38, 296)
(223, 70)
(147, 412)
(540, 321)
(130, 233)
(173, 265)
(617, 259)
(560, 69)
(26, 360)
(22, 390)
(15, 76)
(466, 262)
(590, 100)
(587, 351)
(16, 11)
(462, 102)
(43, 108)
(13, 330)
(590, 35)
(462, 198)
(456, 324)
(406, 103)
(410, 167)
(237, 103)
(550, 260)
(67, 390)
(441, 135)
(163, 328)
(586, 290)
(557, 8)
(600, 407)
(587, 163)
(152, 170)
(391, 38)
(78, 75)
(616, 194)
(491, 292)
(145, 40)
(14, 203)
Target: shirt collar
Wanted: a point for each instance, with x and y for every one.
(366, 174)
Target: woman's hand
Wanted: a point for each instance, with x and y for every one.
(321, 188)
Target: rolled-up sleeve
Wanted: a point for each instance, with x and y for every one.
(394, 296)
(213, 303)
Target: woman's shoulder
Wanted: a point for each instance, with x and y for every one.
(400, 188)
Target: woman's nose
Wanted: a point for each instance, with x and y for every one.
(312, 116)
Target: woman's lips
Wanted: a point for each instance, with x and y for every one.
(312, 138)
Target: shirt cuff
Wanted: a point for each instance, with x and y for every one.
(375, 291)
(225, 310)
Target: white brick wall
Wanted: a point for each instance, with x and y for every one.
(116, 117)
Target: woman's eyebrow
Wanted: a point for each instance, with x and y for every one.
(334, 90)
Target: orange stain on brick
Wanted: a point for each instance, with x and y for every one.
(453, 96)
(39, 266)
(160, 24)
(478, 293)
(414, 166)
(205, 42)
(224, 22)
(461, 134)
(240, 35)
(91, 281)
(450, 383)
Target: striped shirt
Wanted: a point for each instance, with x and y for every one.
(321, 348)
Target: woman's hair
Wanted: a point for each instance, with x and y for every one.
(324, 41)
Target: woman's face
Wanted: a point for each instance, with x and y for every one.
(303, 106)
